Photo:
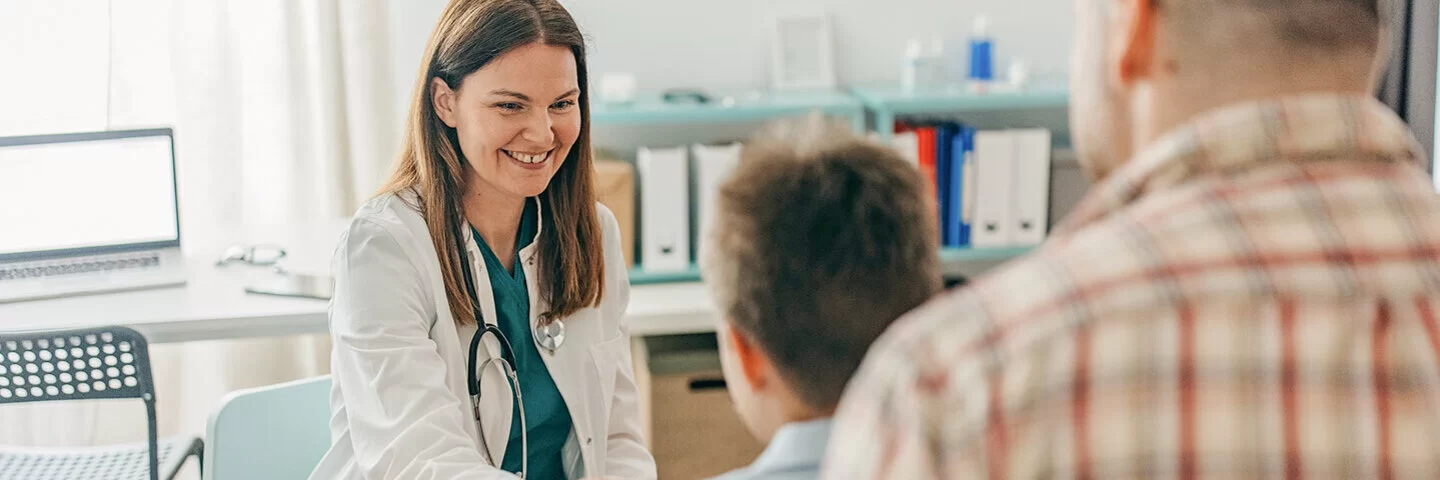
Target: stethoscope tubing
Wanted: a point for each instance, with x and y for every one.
(507, 367)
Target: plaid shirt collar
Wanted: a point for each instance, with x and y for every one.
(1250, 135)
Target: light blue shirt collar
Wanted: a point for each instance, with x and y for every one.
(794, 453)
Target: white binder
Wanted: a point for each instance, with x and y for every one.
(713, 165)
(1032, 186)
(994, 172)
(664, 209)
(909, 146)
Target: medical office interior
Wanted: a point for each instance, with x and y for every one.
(236, 138)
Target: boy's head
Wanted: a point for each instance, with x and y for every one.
(819, 241)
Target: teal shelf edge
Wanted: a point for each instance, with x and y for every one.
(650, 109)
(639, 276)
(960, 99)
(967, 254)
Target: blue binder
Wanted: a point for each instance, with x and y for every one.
(945, 135)
(962, 148)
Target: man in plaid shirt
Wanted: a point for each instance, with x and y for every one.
(1251, 289)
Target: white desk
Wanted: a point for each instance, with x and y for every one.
(213, 304)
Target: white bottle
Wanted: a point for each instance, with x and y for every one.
(914, 63)
(933, 73)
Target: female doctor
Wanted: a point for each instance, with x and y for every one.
(486, 254)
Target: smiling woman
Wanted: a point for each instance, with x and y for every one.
(487, 247)
(517, 119)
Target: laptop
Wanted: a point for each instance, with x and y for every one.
(88, 212)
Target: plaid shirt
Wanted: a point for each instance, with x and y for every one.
(1254, 296)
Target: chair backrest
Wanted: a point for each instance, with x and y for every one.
(279, 431)
(84, 364)
(80, 364)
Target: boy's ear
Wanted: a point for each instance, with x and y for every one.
(753, 363)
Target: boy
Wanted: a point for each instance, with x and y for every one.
(819, 241)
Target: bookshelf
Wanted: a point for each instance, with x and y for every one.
(650, 108)
(638, 276)
(888, 103)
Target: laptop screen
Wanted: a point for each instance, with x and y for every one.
(87, 193)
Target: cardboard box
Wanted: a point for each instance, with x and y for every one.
(696, 432)
(615, 188)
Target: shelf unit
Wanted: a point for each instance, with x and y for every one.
(638, 276)
(888, 103)
(649, 109)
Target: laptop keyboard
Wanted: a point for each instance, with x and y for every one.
(79, 266)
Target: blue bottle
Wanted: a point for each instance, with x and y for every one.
(982, 58)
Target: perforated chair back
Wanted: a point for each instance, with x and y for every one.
(278, 431)
(82, 364)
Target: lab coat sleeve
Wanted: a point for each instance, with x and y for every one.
(404, 422)
(626, 454)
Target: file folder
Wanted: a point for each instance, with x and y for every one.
(908, 145)
(1032, 186)
(944, 160)
(713, 165)
(664, 209)
(961, 211)
(994, 162)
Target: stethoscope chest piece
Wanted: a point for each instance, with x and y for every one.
(550, 337)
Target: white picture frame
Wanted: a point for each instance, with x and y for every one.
(802, 52)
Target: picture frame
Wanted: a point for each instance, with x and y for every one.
(802, 52)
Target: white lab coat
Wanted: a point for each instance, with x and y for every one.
(399, 404)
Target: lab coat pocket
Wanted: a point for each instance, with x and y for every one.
(608, 356)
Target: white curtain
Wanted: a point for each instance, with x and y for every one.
(285, 113)
(285, 109)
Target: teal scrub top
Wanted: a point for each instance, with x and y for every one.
(549, 419)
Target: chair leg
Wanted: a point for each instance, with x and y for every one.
(154, 438)
(195, 449)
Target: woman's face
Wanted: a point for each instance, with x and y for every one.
(517, 119)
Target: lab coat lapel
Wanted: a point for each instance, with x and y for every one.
(497, 401)
(565, 362)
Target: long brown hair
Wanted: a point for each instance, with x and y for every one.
(471, 34)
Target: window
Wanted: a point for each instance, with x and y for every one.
(85, 65)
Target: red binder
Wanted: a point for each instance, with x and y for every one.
(926, 137)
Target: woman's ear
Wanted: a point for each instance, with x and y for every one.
(443, 99)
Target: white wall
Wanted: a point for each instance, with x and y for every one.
(725, 43)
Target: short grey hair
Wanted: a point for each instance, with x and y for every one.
(1316, 25)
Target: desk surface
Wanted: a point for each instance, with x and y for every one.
(213, 304)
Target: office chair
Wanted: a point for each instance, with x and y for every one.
(85, 364)
(277, 431)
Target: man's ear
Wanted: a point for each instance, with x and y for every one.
(754, 365)
(1135, 45)
(443, 98)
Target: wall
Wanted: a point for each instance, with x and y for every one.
(726, 43)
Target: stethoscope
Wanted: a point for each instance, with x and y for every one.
(549, 337)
